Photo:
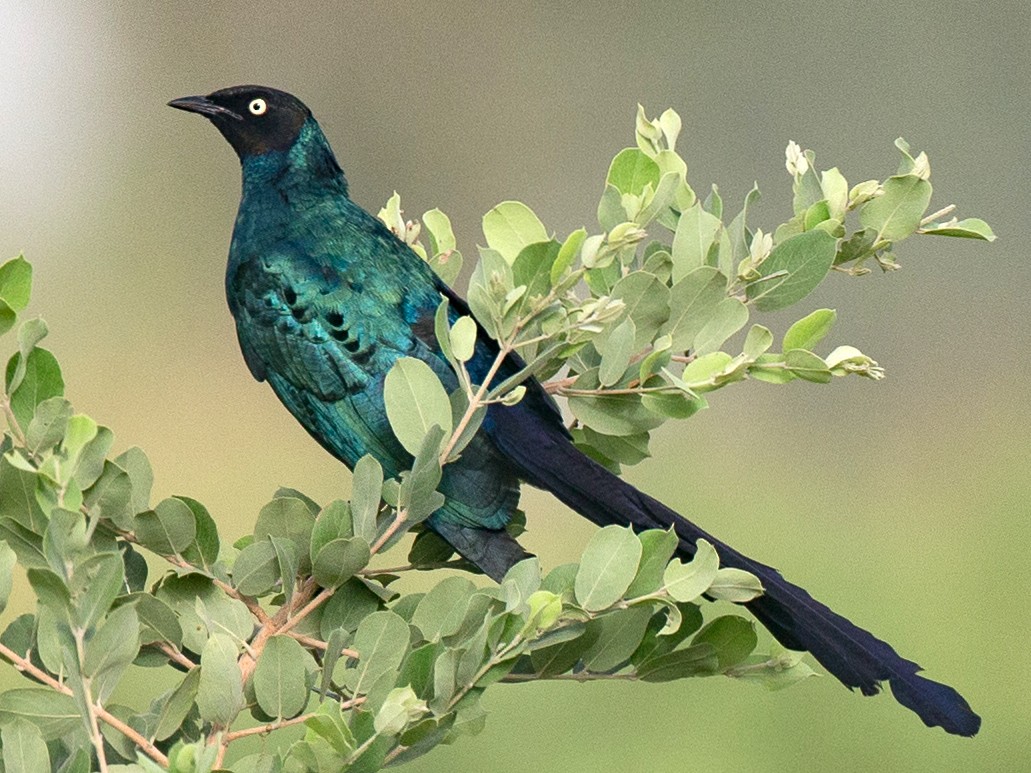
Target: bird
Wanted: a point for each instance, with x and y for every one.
(326, 299)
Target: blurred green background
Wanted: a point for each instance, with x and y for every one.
(903, 504)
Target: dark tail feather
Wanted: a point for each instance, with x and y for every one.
(493, 551)
(856, 657)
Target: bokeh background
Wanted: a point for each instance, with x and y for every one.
(902, 503)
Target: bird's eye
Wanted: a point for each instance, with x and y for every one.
(257, 107)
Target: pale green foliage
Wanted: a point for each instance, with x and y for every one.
(298, 623)
(635, 323)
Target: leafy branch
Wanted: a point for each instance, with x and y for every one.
(295, 624)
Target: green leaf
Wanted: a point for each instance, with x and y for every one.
(339, 560)
(111, 650)
(686, 582)
(610, 209)
(188, 593)
(401, 706)
(805, 259)
(168, 529)
(256, 569)
(807, 365)
(415, 401)
(511, 226)
(441, 611)
(40, 381)
(647, 304)
(429, 548)
(26, 544)
(617, 415)
(532, 270)
(758, 340)
(729, 316)
(735, 585)
(48, 425)
(897, 212)
(439, 231)
(177, 706)
(328, 723)
(29, 335)
(631, 170)
(366, 492)
(692, 303)
(220, 692)
(381, 641)
(810, 330)
(89, 463)
(23, 747)
(629, 449)
(738, 229)
(18, 497)
(203, 553)
(290, 518)
(288, 556)
(16, 283)
(700, 660)
(349, 605)
(8, 317)
(157, 620)
(731, 636)
(607, 567)
(696, 232)
(55, 714)
(333, 521)
(95, 585)
(8, 559)
(835, 191)
(657, 548)
(567, 253)
(463, 338)
(135, 463)
(619, 634)
(781, 669)
(488, 287)
(111, 496)
(418, 488)
(970, 228)
(279, 677)
(616, 352)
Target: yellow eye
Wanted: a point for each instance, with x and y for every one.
(257, 107)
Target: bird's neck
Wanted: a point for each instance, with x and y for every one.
(308, 168)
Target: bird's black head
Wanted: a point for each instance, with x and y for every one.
(254, 119)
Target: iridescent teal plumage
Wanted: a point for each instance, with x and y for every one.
(326, 300)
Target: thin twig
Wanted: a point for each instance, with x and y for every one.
(477, 399)
(457, 563)
(935, 215)
(322, 596)
(25, 665)
(263, 729)
(12, 422)
(174, 653)
(87, 695)
(399, 519)
(309, 641)
(582, 676)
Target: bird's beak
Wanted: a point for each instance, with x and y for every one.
(204, 106)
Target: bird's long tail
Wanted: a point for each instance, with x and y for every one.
(856, 657)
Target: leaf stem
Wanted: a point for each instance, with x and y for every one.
(78, 634)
